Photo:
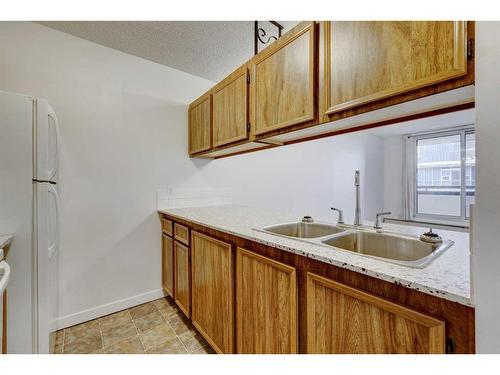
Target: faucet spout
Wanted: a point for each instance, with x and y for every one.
(357, 212)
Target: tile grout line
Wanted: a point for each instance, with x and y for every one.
(102, 336)
(176, 335)
(64, 339)
(137, 330)
(170, 325)
(138, 333)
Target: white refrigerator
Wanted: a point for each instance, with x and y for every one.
(29, 210)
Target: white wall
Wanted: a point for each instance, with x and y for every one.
(486, 234)
(309, 177)
(124, 134)
(123, 129)
(393, 176)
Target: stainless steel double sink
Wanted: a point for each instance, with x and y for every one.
(391, 247)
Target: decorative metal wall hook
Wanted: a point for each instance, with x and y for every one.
(260, 34)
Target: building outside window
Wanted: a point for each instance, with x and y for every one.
(440, 176)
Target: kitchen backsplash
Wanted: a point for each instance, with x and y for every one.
(192, 197)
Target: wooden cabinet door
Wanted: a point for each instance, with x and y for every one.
(212, 276)
(266, 305)
(230, 109)
(182, 289)
(200, 125)
(283, 81)
(366, 61)
(342, 319)
(168, 265)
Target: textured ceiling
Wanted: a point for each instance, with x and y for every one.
(208, 49)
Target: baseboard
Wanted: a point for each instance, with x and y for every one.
(108, 308)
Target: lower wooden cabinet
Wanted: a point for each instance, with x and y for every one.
(266, 305)
(168, 265)
(342, 319)
(182, 290)
(244, 298)
(212, 291)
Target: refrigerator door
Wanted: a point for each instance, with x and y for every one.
(47, 265)
(47, 142)
(53, 268)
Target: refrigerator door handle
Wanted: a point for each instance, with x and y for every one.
(51, 113)
(53, 247)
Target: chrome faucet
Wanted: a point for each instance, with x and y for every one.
(357, 212)
(341, 215)
(378, 224)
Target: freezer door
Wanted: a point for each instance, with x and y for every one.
(47, 142)
(47, 265)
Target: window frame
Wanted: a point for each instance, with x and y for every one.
(412, 176)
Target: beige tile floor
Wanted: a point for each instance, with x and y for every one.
(156, 327)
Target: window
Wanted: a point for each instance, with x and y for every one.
(441, 175)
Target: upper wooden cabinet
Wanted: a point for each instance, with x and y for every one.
(321, 72)
(345, 320)
(366, 61)
(283, 81)
(200, 124)
(213, 291)
(266, 305)
(230, 108)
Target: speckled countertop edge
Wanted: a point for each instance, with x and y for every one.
(446, 277)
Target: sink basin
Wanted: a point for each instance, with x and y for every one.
(303, 230)
(407, 251)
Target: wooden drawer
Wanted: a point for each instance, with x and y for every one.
(166, 226)
(181, 233)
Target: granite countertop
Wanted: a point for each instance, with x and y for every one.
(448, 276)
